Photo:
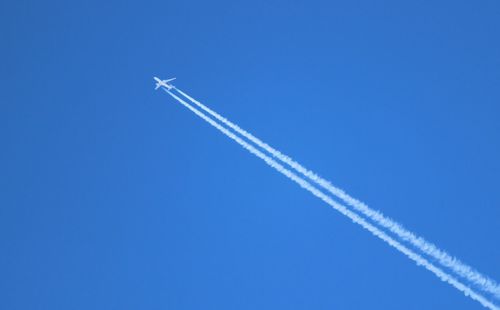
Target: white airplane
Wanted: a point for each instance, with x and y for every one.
(163, 83)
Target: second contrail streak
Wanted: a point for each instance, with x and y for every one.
(419, 260)
(425, 246)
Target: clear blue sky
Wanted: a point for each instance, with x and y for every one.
(113, 196)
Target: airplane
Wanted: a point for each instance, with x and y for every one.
(163, 83)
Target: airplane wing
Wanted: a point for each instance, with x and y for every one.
(164, 83)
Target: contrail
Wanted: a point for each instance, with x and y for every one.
(445, 259)
(419, 260)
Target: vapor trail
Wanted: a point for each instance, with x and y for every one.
(445, 259)
(419, 260)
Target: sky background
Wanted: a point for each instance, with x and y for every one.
(114, 196)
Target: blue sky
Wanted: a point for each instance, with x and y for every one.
(116, 197)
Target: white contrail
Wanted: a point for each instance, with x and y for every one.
(460, 268)
(419, 260)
